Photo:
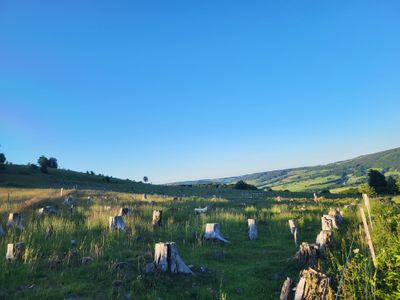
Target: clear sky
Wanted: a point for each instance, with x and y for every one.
(180, 90)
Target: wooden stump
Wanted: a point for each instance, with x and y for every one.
(47, 210)
(124, 211)
(293, 230)
(324, 239)
(252, 229)
(328, 222)
(336, 213)
(116, 223)
(16, 220)
(213, 232)
(315, 197)
(167, 258)
(307, 254)
(286, 289)
(201, 210)
(157, 217)
(15, 251)
(312, 285)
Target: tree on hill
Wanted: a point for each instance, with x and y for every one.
(377, 181)
(2, 160)
(242, 185)
(43, 163)
(145, 179)
(367, 189)
(52, 163)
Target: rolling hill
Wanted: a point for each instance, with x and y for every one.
(333, 176)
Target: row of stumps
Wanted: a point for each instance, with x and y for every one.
(312, 283)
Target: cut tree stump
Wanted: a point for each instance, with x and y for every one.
(293, 230)
(15, 251)
(116, 223)
(252, 229)
(16, 220)
(337, 215)
(47, 210)
(312, 285)
(157, 217)
(124, 211)
(201, 210)
(315, 197)
(286, 289)
(167, 258)
(213, 232)
(328, 222)
(307, 254)
(324, 239)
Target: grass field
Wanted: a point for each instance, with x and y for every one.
(243, 269)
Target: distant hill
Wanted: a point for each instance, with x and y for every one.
(336, 175)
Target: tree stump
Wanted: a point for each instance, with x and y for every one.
(201, 210)
(337, 215)
(116, 223)
(16, 220)
(286, 289)
(157, 217)
(324, 239)
(15, 251)
(293, 230)
(307, 254)
(167, 258)
(278, 198)
(315, 197)
(328, 222)
(47, 210)
(124, 211)
(252, 229)
(312, 285)
(69, 201)
(213, 232)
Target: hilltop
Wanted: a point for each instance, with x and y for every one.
(334, 176)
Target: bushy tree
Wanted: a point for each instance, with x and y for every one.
(377, 181)
(43, 163)
(391, 185)
(367, 189)
(242, 185)
(52, 163)
(145, 179)
(2, 160)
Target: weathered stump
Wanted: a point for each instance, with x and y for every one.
(307, 254)
(312, 285)
(286, 289)
(69, 201)
(293, 230)
(278, 198)
(15, 251)
(167, 258)
(116, 223)
(336, 213)
(124, 211)
(324, 239)
(157, 217)
(213, 232)
(328, 222)
(47, 210)
(16, 220)
(315, 197)
(201, 210)
(252, 229)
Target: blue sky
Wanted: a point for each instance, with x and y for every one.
(180, 90)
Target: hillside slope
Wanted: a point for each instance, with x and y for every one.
(335, 175)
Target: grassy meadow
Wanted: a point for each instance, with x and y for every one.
(52, 267)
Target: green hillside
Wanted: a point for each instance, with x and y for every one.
(336, 175)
